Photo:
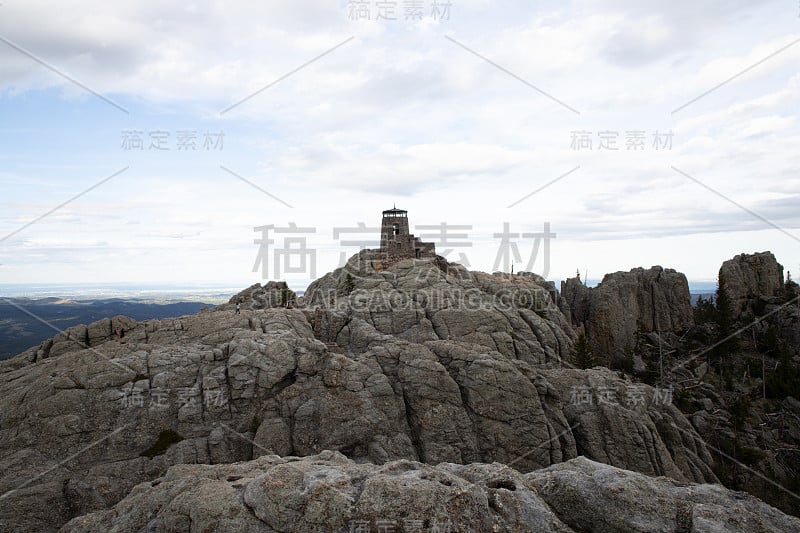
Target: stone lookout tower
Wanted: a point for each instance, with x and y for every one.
(397, 242)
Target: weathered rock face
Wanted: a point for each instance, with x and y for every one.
(575, 300)
(272, 294)
(655, 300)
(422, 361)
(75, 338)
(749, 276)
(429, 300)
(328, 492)
(589, 496)
(622, 423)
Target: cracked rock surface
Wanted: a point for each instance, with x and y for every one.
(328, 492)
(462, 368)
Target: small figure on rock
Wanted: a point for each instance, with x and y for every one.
(238, 308)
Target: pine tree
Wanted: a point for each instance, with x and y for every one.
(703, 310)
(349, 284)
(725, 326)
(582, 353)
(790, 288)
(724, 315)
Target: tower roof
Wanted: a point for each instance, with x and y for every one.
(394, 212)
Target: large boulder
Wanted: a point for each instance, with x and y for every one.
(591, 496)
(748, 277)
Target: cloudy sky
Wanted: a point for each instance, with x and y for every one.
(144, 142)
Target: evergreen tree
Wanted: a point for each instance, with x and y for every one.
(784, 378)
(349, 284)
(582, 353)
(723, 317)
(723, 305)
(704, 310)
(790, 288)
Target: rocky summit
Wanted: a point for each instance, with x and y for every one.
(412, 396)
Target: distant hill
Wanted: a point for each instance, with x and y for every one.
(26, 322)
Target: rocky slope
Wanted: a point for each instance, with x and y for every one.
(328, 492)
(423, 361)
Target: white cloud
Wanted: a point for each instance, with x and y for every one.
(400, 114)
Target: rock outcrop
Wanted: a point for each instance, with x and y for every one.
(423, 361)
(328, 492)
(75, 338)
(749, 277)
(430, 300)
(590, 496)
(272, 294)
(575, 300)
(655, 300)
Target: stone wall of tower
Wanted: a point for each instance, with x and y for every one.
(396, 244)
(426, 249)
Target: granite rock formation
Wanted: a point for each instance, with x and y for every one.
(749, 277)
(423, 361)
(328, 492)
(268, 296)
(625, 304)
